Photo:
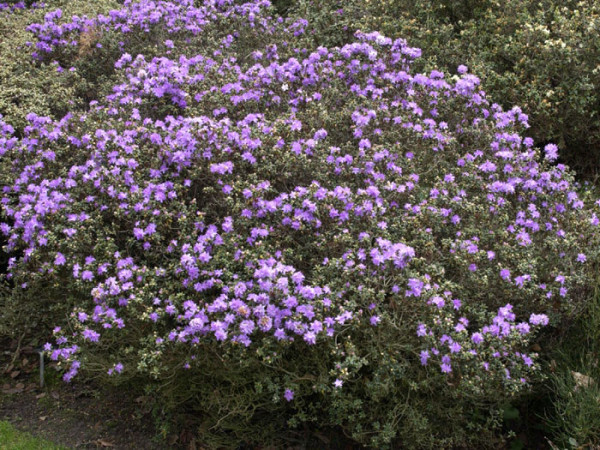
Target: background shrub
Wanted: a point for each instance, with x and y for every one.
(31, 86)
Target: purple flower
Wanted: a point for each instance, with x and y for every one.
(90, 335)
(455, 347)
(222, 168)
(551, 152)
(438, 301)
(523, 238)
(446, 368)
(87, 275)
(288, 395)
(247, 326)
(228, 225)
(59, 260)
(477, 338)
(538, 319)
(118, 368)
(310, 338)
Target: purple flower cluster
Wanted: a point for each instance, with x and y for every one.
(172, 17)
(290, 188)
(489, 348)
(18, 6)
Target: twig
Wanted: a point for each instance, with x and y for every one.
(17, 352)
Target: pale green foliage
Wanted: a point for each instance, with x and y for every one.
(31, 86)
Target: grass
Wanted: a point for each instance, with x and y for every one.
(574, 417)
(12, 439)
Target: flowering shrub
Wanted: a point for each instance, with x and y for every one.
(540, 55)
(28, 86)
(282, 236)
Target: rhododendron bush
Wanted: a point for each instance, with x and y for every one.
(542, 56)
(274, 236)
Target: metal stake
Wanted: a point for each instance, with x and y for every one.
(41, 352)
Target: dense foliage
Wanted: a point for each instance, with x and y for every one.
(273, 236)
(28, 86)
(541, 55)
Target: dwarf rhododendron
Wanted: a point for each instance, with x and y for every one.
(288, 196)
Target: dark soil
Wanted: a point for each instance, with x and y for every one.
(73, 415)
